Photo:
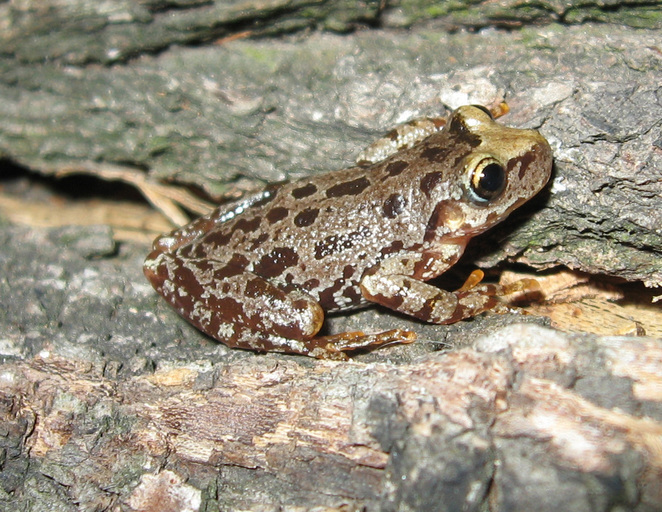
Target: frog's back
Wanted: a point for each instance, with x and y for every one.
(322, 233)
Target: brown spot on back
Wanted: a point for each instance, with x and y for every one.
(306, 217)
(248, 226)
(394, 206)
(395, 168)
(217, 238)
(257, 242)
(276, 214)
(228, 270)
(349, 188)
(348, 271)
(304, 191)
(337, 243)
(435, 153)
(311, 284)
(239, 261)
(431, 180)
(274, 263)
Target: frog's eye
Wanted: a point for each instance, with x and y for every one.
(484, 109)
(488, 179)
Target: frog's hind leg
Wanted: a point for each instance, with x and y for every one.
(234, 306)
(244, 310)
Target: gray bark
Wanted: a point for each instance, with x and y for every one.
(267, 110)
(524, 418)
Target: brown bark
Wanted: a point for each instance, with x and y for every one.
(523, 415)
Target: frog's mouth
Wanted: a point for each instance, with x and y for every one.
(457, 222)
(449, 221)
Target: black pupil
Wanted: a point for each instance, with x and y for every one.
(491, 181)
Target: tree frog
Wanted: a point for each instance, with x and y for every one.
(261, 273)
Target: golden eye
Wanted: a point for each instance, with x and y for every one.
(488, 180)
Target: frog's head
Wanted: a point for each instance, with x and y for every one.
(502, 169)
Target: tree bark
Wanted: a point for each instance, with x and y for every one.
(522, 418)
(109, 401)
(230, 116)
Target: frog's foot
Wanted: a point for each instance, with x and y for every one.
(474, 297)
(337, 346)
(499, 296)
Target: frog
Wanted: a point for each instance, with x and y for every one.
(262, 272)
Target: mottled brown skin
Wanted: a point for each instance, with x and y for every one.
(259, 274)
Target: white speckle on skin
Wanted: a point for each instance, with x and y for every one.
(202, 315)
(226, 331)
(168, 287)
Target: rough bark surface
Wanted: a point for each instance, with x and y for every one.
(109, 401)
(239, 113)
(548, 421)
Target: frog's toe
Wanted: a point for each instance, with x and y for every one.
(328, 347)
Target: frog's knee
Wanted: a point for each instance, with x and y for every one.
(296, 316)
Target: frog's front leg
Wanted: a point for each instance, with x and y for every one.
(244, 310)
(397, 283)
